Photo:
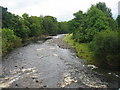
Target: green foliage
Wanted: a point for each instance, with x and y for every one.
(79, 20)
(102, 6)
(79, 24)
(106, 48)
(96, 22)
(118, 21)
(32, 26)
(63, 27)
(87, 25)
(9, 40)
(78, 35)
(98, 28)
(35, 26)
(14, 23)
(82, 49)
(26, 27)
(90, 27)
(50, 25)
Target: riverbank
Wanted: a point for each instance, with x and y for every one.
(82, 49)
(21, 43)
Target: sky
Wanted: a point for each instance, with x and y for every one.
(61, 9)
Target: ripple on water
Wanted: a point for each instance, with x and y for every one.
(15, 75)
(67, 80)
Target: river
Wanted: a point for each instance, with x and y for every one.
(45, 64)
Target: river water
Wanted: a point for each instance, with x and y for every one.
(45, 65)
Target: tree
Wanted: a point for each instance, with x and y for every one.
(50, 25)
(78, 25)
(96, 22)
(15, 23)
(9, 40)
(89, 24)
(106, 48)
(118, 21)
(63, 27)
(85, 25)
(4, 17)
(102, 6)
(79, 20)
(35, 26)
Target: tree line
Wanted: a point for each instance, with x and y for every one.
(16, 29)
(98, 28)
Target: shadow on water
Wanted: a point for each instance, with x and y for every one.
(114, 74)
(109, 75)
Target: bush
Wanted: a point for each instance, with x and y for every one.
(106, 48)
(9, 40)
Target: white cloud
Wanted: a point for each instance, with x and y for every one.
(62, 9)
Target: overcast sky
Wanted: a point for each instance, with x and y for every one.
(61, 9)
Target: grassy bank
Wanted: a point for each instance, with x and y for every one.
(82, 49)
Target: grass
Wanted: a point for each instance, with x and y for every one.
(69, 39)
(82, 49)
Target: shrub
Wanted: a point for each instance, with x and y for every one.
(9, 40)
(106, 48)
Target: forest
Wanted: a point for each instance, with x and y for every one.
(96, 28)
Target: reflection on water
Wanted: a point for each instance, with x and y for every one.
(108, 72)
(105, 72)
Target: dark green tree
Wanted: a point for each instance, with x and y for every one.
(15, 23)
(9, 40)
(118, 21)
(63, 27)
(96, 21)
(35, 26)
(102, 6)
(50, 25)
(106, 48)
